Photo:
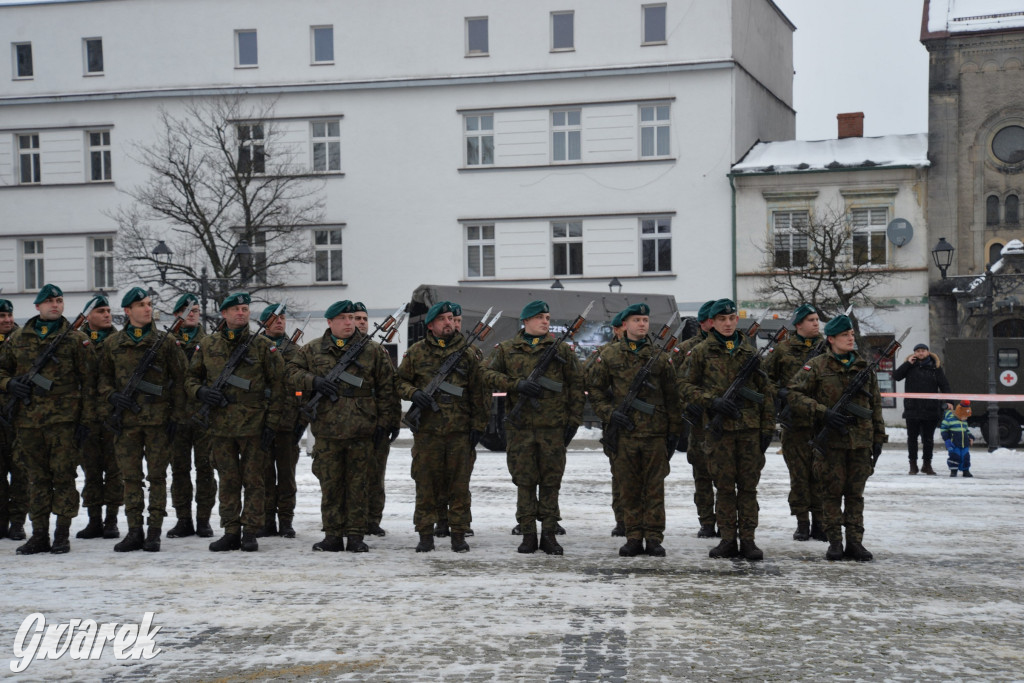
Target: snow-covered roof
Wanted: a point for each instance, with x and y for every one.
(795, 156)
(969, 16)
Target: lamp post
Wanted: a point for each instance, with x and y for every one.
(557, 284)
(245, 254)
(615, 286)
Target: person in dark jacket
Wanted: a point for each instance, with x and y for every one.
(924, 375)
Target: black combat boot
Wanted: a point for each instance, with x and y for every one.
(967, 474)
(750, 551)
(182, 528)
(39, 542)
(152, 542)
(620, 530)
(228, 541)
(559, 531)
(374, 529)
(110, 529)
(913, 467)
(426, 543)
(285, 528)
(926, 467)
(248, 542)
(952, 473)
(803, 531)
(549, 545)
(268, 529)
(856, 551)
(817, 529)
(632, 548)
(133, 540)
(707, 531)
(654, 548)
(4, 526)
(517, 530)
(529, 544)
(203, 528)
(356, 545)
(725, 549)
(94, 529)
(441, 529)
(17, 531)
(459, 544)
(330, 544)
(469, 532)
(835, 551)
(61, 539)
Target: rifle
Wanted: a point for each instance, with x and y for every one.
(738, 390)
(339, 373)
(845, 403)
(439, 381)
(42, 384)
(227, 375)
(537, 374)
(297, 334)
(630, 402)
(786, 411)
(388, 335)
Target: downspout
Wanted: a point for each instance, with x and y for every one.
(732, 186)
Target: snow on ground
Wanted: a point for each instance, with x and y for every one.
(942, 599)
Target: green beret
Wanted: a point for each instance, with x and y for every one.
(705, 311)
(456, 309)
(635, 309)
(236, 299)
(837, 325)
(721, 306)
(802, 312)
(132, 295)
(533, 308)
(46, 292)
(337, 308)
(270, 309)
(358, 306)
(617, 320)
(437, 309)
(185, 300)
(6, 306)
(97, 301)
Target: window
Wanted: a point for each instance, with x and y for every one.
(93, 54)
(565, 135)
(28, 158)
(251, 155)
(1008, 145)
(327, 244)
(1008, 358)
(654, 130)
(259, 256)
(992, 210)
(480, 251)
(656, 245)
(103, 262)
(480, 140)
(1012, 209)
(323, 44)
(567, 248)
(246, 54)
(789, 230)
(32, 255)
(476, 36)
(869, 242)
(23, 60)
(326, 146)
(653, 24)
(99, 155)
(995, 252)
(562, 31)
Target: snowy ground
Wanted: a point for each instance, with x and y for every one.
(941, 601)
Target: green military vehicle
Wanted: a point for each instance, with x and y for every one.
(966, 367)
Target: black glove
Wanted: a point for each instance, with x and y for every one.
(725, 407)
(837, 420)
(670, 445)
(766, 441)
(325, 387)
(297, 433)
(474, 437)
(81, 434)
(19, 387)
(119, 400)
(529, 388)
(210, 397)
(621, 420)
(379, 434)
(172, 430)
(876, 450)
(422, 400)
(570, 432)
(267, 439)
(395, 431)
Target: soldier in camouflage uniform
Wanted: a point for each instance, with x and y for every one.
(444, 442)
(619, 529)
(783, 364)
(13, 493)
(48, 432)
(191, 440)
(736, 458)
(146, 436)
(647, 432)
(703, 487)
(103, 484)
(243, 419)
(844, 467)
(551, 415)
(348, 425)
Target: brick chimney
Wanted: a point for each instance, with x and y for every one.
(851, 125)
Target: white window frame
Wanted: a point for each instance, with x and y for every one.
(85, 56)
(101, 250)
(654, 237)
(333, 253)
(478, 246)
(30, 155)
(32, 265)
(487, 37)
(786, 233)
(563, 134)
(313, 43)
(98, 153)
(252, 150)
(329, 142)
(566, 237)
(572, 31)
(238, 48)
(16, 67)
(660, 129)
(643, 23)
(867, 231)
(484, 138)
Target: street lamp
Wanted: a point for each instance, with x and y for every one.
(162, 253)
(942, 255)
(245, 254)
(613, 284)
(557, 284)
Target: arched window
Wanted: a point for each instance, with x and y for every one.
(1012, 209)
(992, 210)
(1011, 327)
(994, 250)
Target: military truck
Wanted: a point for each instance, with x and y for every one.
(966, 367)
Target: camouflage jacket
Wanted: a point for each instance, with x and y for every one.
(613, 371)
(5, 337)
(73, 372)
(819, 384)
(708, 372)
(458, 413)
(190, 339)
(120, 355)
(784, 361)
(679, 359)
(358, 411)
(250, 409)
(514, 359)
(291, 401)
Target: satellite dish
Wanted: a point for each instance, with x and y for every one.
(899, 231)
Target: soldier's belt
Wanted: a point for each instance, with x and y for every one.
(751, 395)
(550, 384)
(355, 393)
(449, 388)
(858, 412)
(444, 398)
(60, 390)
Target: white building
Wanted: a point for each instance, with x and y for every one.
(510, 143)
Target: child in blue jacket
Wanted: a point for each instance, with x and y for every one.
(958, 438)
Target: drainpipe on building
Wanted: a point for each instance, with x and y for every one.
(732, 186)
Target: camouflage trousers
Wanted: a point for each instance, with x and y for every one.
(735, 462)
(50, 462)
(342, 466)
(641, 465)
(703, 487)
(536, 461)
(804, 491)
(192, 442)
(240, 463)
(843, 473)
(135, 445)
(378, 469)
(616, 491)
(441, 469)
(279, 477)
(103, 484)
(442, 496)
(13, 484)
